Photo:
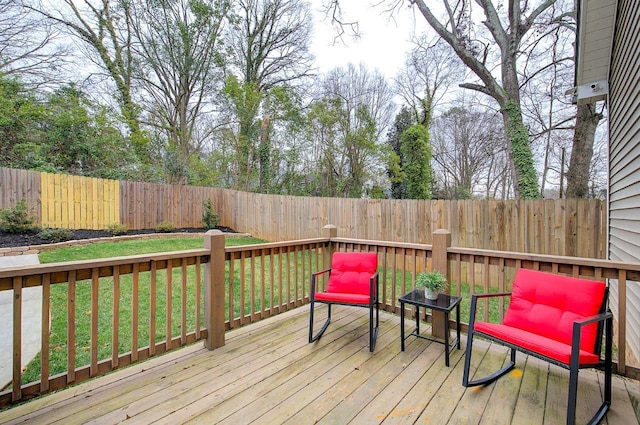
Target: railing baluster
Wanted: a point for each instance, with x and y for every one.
(183, 335)
(282, 306)
(386, 305)
(296, 279)
(169, 306)
(115, 341)
(288, 269)
(242, 289)
(272, 281)
(263, 290)
(394, 276)
(135, 288)
(458, 274)
(485, 286)
(44, 339)
(472, 270)
(71, 328)
(501, 279)
(152, 308)
(252, 283)
(231, 285)
(198, 284)
(17, 338)
(95, 285)
(306, 253)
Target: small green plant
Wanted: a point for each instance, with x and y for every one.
(164, 227)
(55, 235)
(117, 229)
(434, 281)
(210, 219)
(17, 219)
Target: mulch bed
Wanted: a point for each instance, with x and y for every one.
(9, 240)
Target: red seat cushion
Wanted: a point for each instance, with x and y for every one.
(349, 281)
(337, 297)
(544, 307)
(536, 343)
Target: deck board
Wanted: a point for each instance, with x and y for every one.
(268, 373)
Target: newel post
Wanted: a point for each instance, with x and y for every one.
(329, 231)
(439, 246)
(214, 290)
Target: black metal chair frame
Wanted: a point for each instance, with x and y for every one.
(604, 319)
(374, 289)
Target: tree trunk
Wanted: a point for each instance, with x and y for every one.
(587, 120)
(524, 171)
(264, 154)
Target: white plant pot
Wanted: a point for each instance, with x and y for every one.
(430, 295)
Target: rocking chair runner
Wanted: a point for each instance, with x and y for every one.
(353, 280)
(556, 318)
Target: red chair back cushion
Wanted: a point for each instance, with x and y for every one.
(351, 272)
(548, 304)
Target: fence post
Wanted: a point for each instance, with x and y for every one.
(439, 246)
(214, 290)
(329, 231)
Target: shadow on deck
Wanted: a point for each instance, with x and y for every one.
(267, 373)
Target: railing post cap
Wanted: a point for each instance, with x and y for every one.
(213, 232)
(442, 232)
(330, 226)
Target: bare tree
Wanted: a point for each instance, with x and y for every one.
(554, 122)
(28, 46)
(587, 120)
(503, 40)
(348, 121)
(270, 49)
(475, 47)
(429, 70)
(469, 152)
(179, 50)
(104, 28)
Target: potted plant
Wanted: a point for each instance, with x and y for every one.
(433, 283)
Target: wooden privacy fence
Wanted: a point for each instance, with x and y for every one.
(572, 227)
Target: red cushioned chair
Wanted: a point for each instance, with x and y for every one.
(353, 280)
(556, 318)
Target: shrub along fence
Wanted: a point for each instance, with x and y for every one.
(572, 227)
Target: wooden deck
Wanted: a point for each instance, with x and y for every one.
(267, 373)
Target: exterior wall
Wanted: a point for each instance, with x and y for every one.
(624, 156)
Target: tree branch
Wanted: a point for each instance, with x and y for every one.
(476, 87)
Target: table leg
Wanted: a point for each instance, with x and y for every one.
(401, 326)
(458, 324)
(446, 339)
(417, 311)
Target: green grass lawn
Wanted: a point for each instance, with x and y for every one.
(82, 299)
(132, 247)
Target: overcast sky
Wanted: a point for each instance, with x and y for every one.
(383, 43)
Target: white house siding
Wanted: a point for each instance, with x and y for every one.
(624, 159)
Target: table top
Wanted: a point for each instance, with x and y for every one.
(445, 302)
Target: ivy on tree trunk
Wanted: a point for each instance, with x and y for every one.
(526, 179)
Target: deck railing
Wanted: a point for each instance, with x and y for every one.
(168, 300)
(174, 299)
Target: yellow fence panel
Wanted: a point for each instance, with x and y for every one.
(76, 202)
